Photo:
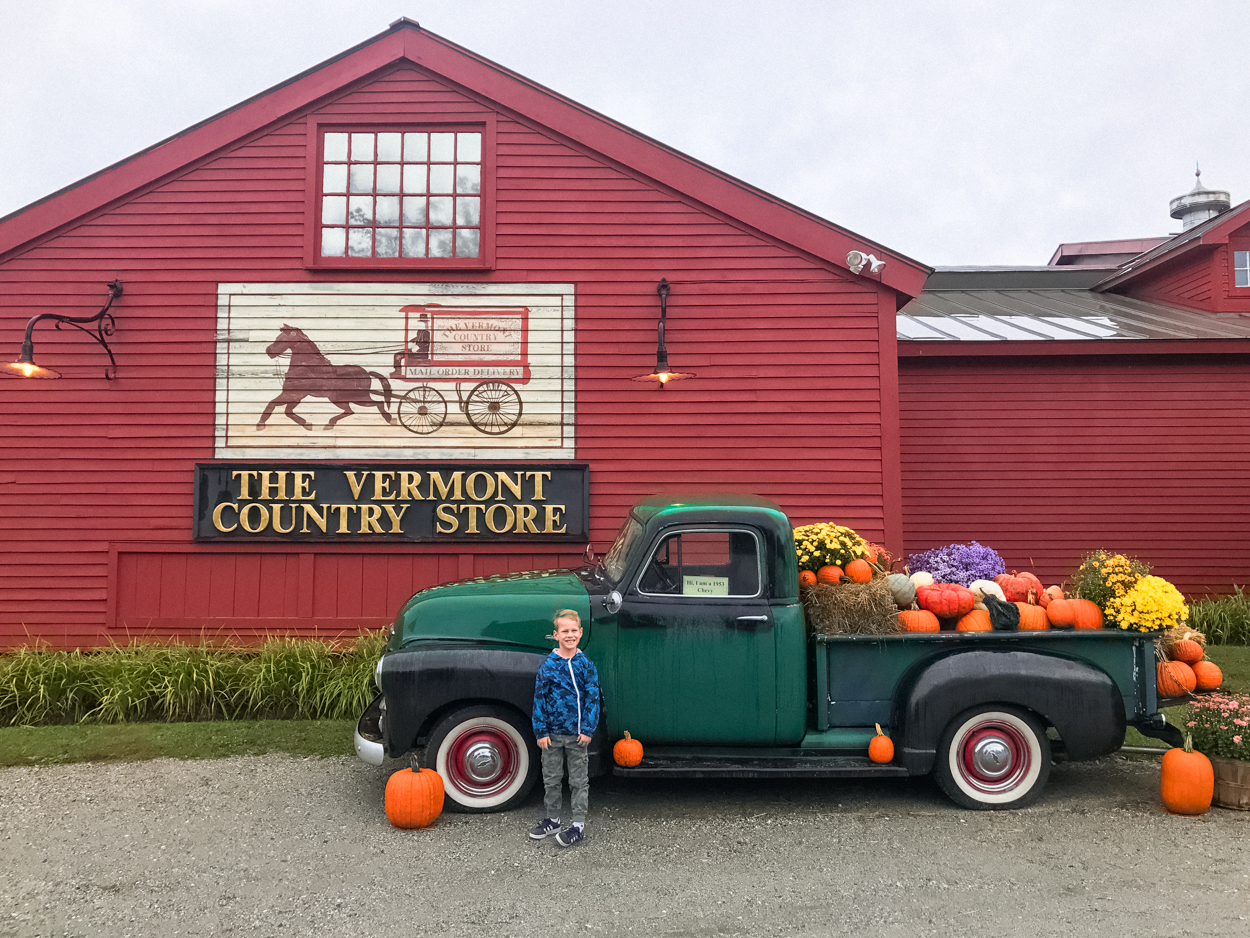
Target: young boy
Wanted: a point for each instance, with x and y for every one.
(566, 712)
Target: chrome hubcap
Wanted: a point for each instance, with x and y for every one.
(991, 757)
(482, 762)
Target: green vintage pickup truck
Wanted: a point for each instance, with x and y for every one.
(694, 621)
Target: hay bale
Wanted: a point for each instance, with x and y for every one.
(851, 608)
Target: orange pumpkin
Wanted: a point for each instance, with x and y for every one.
(807, 578)
(918, 620)
(881, 748)
(1074, 613)
(1175, 679)
(627, 751)
(1020, 587)
(1208, 675)
(1032, 618)
(1049, 595)
(859, 571)
(414, 798)
(829, 574)
(1186, 650)
(1186, 780)
(978, 620)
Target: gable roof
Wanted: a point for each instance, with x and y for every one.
(406, 42)
(1210, 232)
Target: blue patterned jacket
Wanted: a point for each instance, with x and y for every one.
(566, 696)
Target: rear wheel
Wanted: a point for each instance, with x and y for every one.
(486, 758)
(993, 758)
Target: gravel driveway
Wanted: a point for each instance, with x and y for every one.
(275, 845)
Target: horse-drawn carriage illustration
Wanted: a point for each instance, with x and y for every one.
(485, 347)
(482, 346)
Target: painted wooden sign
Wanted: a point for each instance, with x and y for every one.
(386, 370)
(391, 501)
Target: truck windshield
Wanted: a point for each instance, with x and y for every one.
(614, 563)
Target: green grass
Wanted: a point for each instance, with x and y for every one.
(131, 742)
(1224, 620)
(147, 682)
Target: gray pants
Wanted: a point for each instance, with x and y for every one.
(554, 756)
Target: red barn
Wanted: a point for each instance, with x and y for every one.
(1050, 411)
(379, 327)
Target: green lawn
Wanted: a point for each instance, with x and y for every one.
(128, 742)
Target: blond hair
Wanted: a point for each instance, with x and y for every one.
(568, 614)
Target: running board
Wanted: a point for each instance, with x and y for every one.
(780, 767)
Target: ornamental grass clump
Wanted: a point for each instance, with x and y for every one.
(284, 678)
(827, 545)
(1149, 605)
(1224, 620)
(1220, 725)
(958, 563)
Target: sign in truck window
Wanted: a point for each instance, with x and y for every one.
(391, 502)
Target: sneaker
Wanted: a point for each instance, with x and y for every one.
(571, 836)
(546, 827)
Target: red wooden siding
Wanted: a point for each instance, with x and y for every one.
(787, 402)
(1188, 282)
(1046, 459)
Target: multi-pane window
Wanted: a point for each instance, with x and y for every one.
(401, 194)
(1241, 268)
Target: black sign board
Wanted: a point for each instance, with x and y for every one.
(388, 502)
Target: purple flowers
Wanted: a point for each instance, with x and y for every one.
(958, 563)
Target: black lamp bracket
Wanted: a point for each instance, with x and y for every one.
(661, 353)
(104, 323)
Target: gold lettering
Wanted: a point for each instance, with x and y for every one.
(436, 479)
(409, 486)
(469, 486)
(525, 519)
(217, 517)
(344, 511)
(537, 479)
(473, 510)
(553, 518)
(395, 518)
(369, 515)
(301, 484)
(490, 513)
(277, 518)
(505, 479)
(446, 513)
(381, 486)
(356, 486)
(266, 483)
(264, 518)
(243, 475)
(310, 511)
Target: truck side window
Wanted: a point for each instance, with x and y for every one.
(704, 563)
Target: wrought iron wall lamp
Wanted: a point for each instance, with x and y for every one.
(104, 325)
(662, 373)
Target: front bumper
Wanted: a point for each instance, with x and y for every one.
(368, 735)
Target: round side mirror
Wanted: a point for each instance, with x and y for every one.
(612, 602)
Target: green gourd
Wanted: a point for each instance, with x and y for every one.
(903, 588)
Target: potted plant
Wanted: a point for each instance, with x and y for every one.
(1220, 725)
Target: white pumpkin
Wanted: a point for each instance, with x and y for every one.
(921, 578)
(982, 588)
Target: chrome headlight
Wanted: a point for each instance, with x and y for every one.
(377, 676)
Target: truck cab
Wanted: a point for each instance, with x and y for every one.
(695, 623)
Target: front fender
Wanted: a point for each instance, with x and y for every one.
(1081, 702)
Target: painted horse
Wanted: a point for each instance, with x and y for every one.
(311, 374)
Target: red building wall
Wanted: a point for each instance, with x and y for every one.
(1200, 278)
(1045, 458)
(795, 363)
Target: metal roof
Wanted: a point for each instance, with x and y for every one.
(1001, 315)
(1181, 242)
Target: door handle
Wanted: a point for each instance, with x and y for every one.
(752, 618)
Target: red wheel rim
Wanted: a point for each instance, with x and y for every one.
(993, 757)
(482, 761)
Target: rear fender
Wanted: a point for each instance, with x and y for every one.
(1081, 702)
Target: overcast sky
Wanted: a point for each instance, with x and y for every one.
(953, 132)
